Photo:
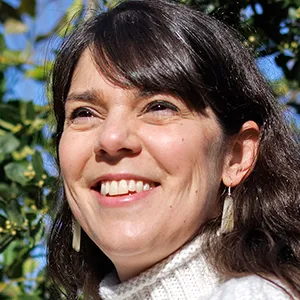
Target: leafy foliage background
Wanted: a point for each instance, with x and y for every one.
(27, 187)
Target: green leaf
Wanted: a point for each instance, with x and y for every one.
(5, 191)
(73, 12)
(2, 43)
(31, 217)
(7, 125)
(3, 215)
(111, 3)
(37, 163)
(293, 15)
(14, 212)
(7, 11)
(16, 172)
(2, 220)
(9, 256)
(11, 291)
(5, 240)
(8, 143)
(22, 153)
(75, 7)
(38, 232)
(38, 73)
(27, 111)
(13, 26)
(30, 114)
(29, 266)
(37, 125)
(9, 112)
(11, 57)
(28, 6)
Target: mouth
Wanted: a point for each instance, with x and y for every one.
(123, 187)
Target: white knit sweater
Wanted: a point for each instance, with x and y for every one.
(186, 275)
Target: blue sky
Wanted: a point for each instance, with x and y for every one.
(48, 13)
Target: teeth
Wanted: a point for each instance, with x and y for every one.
(107, 185)
(131, 186)
(139, 186)
(122, 187)
(113, 189)
(146, 187)
(103, 189)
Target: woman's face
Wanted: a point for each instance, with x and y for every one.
(141, 172)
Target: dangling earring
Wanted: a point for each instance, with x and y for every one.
(227, 222)
(76, 235)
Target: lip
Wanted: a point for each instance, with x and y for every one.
(121, 200)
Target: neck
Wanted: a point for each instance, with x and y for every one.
(185, 272)
(130, 266)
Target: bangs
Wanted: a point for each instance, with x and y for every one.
(161, 47)
(134, 49)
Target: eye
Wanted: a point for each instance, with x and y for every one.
(81, 112)
(163, 107)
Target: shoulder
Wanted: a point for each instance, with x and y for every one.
(250, 288)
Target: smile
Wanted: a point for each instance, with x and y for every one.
(123, 187)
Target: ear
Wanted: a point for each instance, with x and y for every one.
(241, 155)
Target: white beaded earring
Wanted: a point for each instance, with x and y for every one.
(76, 229)
(227, 223)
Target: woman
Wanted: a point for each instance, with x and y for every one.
(177, 168)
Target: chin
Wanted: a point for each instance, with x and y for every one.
(127, 243)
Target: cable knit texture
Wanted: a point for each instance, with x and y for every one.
(186, 275)
(249, 288)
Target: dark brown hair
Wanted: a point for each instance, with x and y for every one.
(164, 47)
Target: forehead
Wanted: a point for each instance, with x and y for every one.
(85, 69)
(87, 75)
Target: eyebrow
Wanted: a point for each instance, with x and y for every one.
(91, 96)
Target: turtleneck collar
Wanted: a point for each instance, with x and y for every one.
(183, 275)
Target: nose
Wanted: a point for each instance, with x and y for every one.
(117, 138)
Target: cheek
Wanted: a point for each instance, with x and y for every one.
(74, 152)
(168, 149)
(179, 149)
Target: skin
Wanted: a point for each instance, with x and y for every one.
(111, 131)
